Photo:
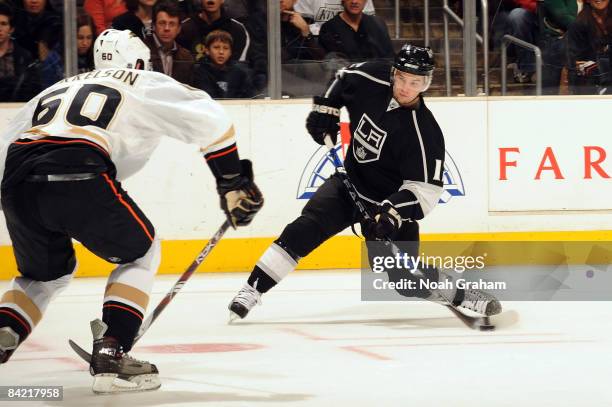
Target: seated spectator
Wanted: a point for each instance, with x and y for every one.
(167, 56)
(85, 39)
(521, 21)
(242, 10)
(355, 35)
(52, 68)
(38, 28)
(588, 43)
(557, 15)
(103, 12)
(213, 17)
(321, 11)
(218, 75)
(138, 19)
(297, 43)
(18, 73)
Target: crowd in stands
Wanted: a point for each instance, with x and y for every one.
(574, 37)
(221, 46)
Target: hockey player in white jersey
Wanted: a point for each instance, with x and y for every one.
(62, 159)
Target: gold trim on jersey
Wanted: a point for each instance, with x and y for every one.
(221, 142)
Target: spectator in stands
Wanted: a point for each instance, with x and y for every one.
(589, 48)
(243, 10)
(297, 42)
(52, 68)
(557, 15)
(218, 75)
(167, 56)
(18, 73)
(321, 11)
(521, 21)
(38, 28)
(104, 11)
(85, 39)
(354, 35)
(213, 17)
(138, 19)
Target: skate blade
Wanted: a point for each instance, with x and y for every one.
(233, 317)
(111, 384)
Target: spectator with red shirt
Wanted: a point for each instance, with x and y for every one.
(104, 11)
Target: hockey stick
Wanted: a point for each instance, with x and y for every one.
(170, 295)
(481, 323)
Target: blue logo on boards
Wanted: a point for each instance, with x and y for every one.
(320, 167)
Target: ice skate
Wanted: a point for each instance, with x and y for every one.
(242, 303)
(480, 302)
(9, 341)
(115, 371)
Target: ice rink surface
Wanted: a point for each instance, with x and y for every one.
(314, 343)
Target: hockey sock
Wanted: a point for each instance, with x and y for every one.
(260, 280)
(123, 322)
(17, 322)
(274, 265)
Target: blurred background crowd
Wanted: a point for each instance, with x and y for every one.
(222, 46)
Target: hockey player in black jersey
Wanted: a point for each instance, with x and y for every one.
(395, 161)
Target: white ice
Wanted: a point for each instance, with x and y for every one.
(314, 343)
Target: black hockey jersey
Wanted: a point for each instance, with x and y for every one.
(396, 154)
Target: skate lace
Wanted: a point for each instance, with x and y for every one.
(248, 296)
(477, 301)
(132, 359)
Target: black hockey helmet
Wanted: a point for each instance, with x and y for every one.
(414, 60)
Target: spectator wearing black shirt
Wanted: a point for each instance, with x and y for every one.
(213, 17)
(588, 42)
(86, 34)
(138, 19)
(355, 35)
(218, 75)
(297, 42)
(19, 80)
(38, 28)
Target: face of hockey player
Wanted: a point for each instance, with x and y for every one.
(354, 7)
(599, 5)
(167, 28)
(5, 29)
(407, 86)
(219, 52)
(34, 6)
(211, 6)
(84, 39)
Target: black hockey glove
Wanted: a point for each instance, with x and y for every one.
(240, 197)
(385, 225)
(323, 120)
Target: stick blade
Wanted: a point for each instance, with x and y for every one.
(83, 354)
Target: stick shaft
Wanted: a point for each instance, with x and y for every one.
(182, 279)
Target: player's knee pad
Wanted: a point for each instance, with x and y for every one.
(131, 283)
(302, 236)
(30, 298)
(278, 261)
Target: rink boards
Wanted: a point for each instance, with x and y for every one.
(516, 169)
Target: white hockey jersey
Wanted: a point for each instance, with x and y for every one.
(323, 10)
(123, 111)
